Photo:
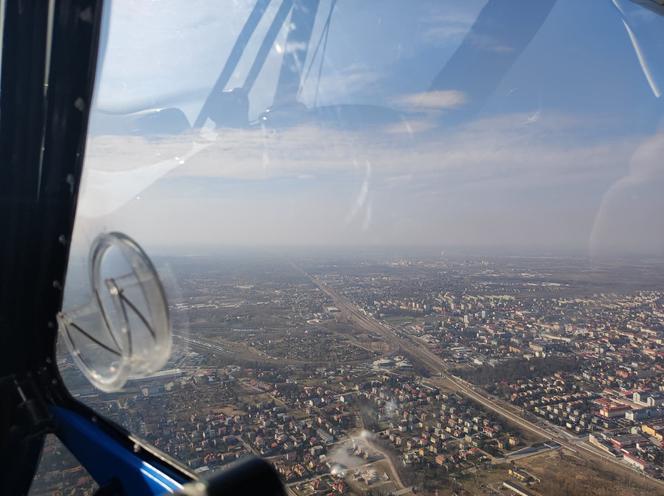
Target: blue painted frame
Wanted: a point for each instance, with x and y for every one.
(107, 460)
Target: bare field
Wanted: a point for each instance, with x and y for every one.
(484, 482)
(571, 476)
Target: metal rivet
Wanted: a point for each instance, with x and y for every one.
(86, 15)
(70, 181)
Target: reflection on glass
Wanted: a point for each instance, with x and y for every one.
(59, 473)
(406, 247)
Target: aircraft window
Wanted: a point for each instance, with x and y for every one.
(59, 473)
(402, 242)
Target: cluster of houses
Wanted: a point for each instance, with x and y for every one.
(556, 399)
(427, 426)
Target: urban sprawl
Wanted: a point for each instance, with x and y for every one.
(386, 375)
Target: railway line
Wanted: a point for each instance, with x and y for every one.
(436, 366)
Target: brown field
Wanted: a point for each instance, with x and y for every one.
(566, 476)
(485, 481)
(571, 476)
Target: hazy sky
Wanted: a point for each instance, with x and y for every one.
(565, 151)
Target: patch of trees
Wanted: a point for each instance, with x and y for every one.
(518, 368)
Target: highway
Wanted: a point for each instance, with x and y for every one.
(419, 353)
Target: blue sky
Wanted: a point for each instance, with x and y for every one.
(563, 153)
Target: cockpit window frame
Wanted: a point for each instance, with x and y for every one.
(49, 58)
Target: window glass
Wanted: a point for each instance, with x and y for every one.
(58, 473)
(410, 246)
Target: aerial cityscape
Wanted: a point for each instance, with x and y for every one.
(376, 373)
(392, 248)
